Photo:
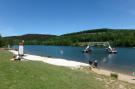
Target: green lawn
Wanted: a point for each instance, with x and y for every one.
(38, 75)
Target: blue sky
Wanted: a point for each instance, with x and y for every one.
(58, 17)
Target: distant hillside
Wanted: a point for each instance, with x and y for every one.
(28, 38)
(93, 31)
(117, 37)
(31, 37)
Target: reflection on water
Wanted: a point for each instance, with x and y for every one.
(109, 58)
(61, 52)
(123, 61)
(87, 56)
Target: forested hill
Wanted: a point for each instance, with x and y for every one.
(117, 37)
(31, 36)
(93, 31)
(28, 38)
(89, 31)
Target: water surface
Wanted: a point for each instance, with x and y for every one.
(123, 61)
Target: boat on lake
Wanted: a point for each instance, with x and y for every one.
(87, 49)
(111, 50)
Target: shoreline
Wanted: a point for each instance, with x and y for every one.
(74, 64)
(53, 61)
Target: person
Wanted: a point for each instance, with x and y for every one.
(133, 73)
(16, 57)
(90, 62)
(21, 49)
(95, 64)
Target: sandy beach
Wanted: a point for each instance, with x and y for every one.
(74, 64)
(53, 61)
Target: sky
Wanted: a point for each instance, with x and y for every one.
(18, 17)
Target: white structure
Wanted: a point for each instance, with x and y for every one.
(110, 49)
(87, 48)
(21, 49)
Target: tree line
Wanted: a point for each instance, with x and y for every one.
(117, 37)
(124, 38)
(2, 42)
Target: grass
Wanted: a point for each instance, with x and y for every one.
(38, 75)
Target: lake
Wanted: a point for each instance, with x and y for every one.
(123, 61)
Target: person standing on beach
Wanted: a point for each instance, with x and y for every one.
(95, 64)
(21, 50)
(90, 62)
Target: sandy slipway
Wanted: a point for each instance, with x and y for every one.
(74, 64)
(53, 61)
